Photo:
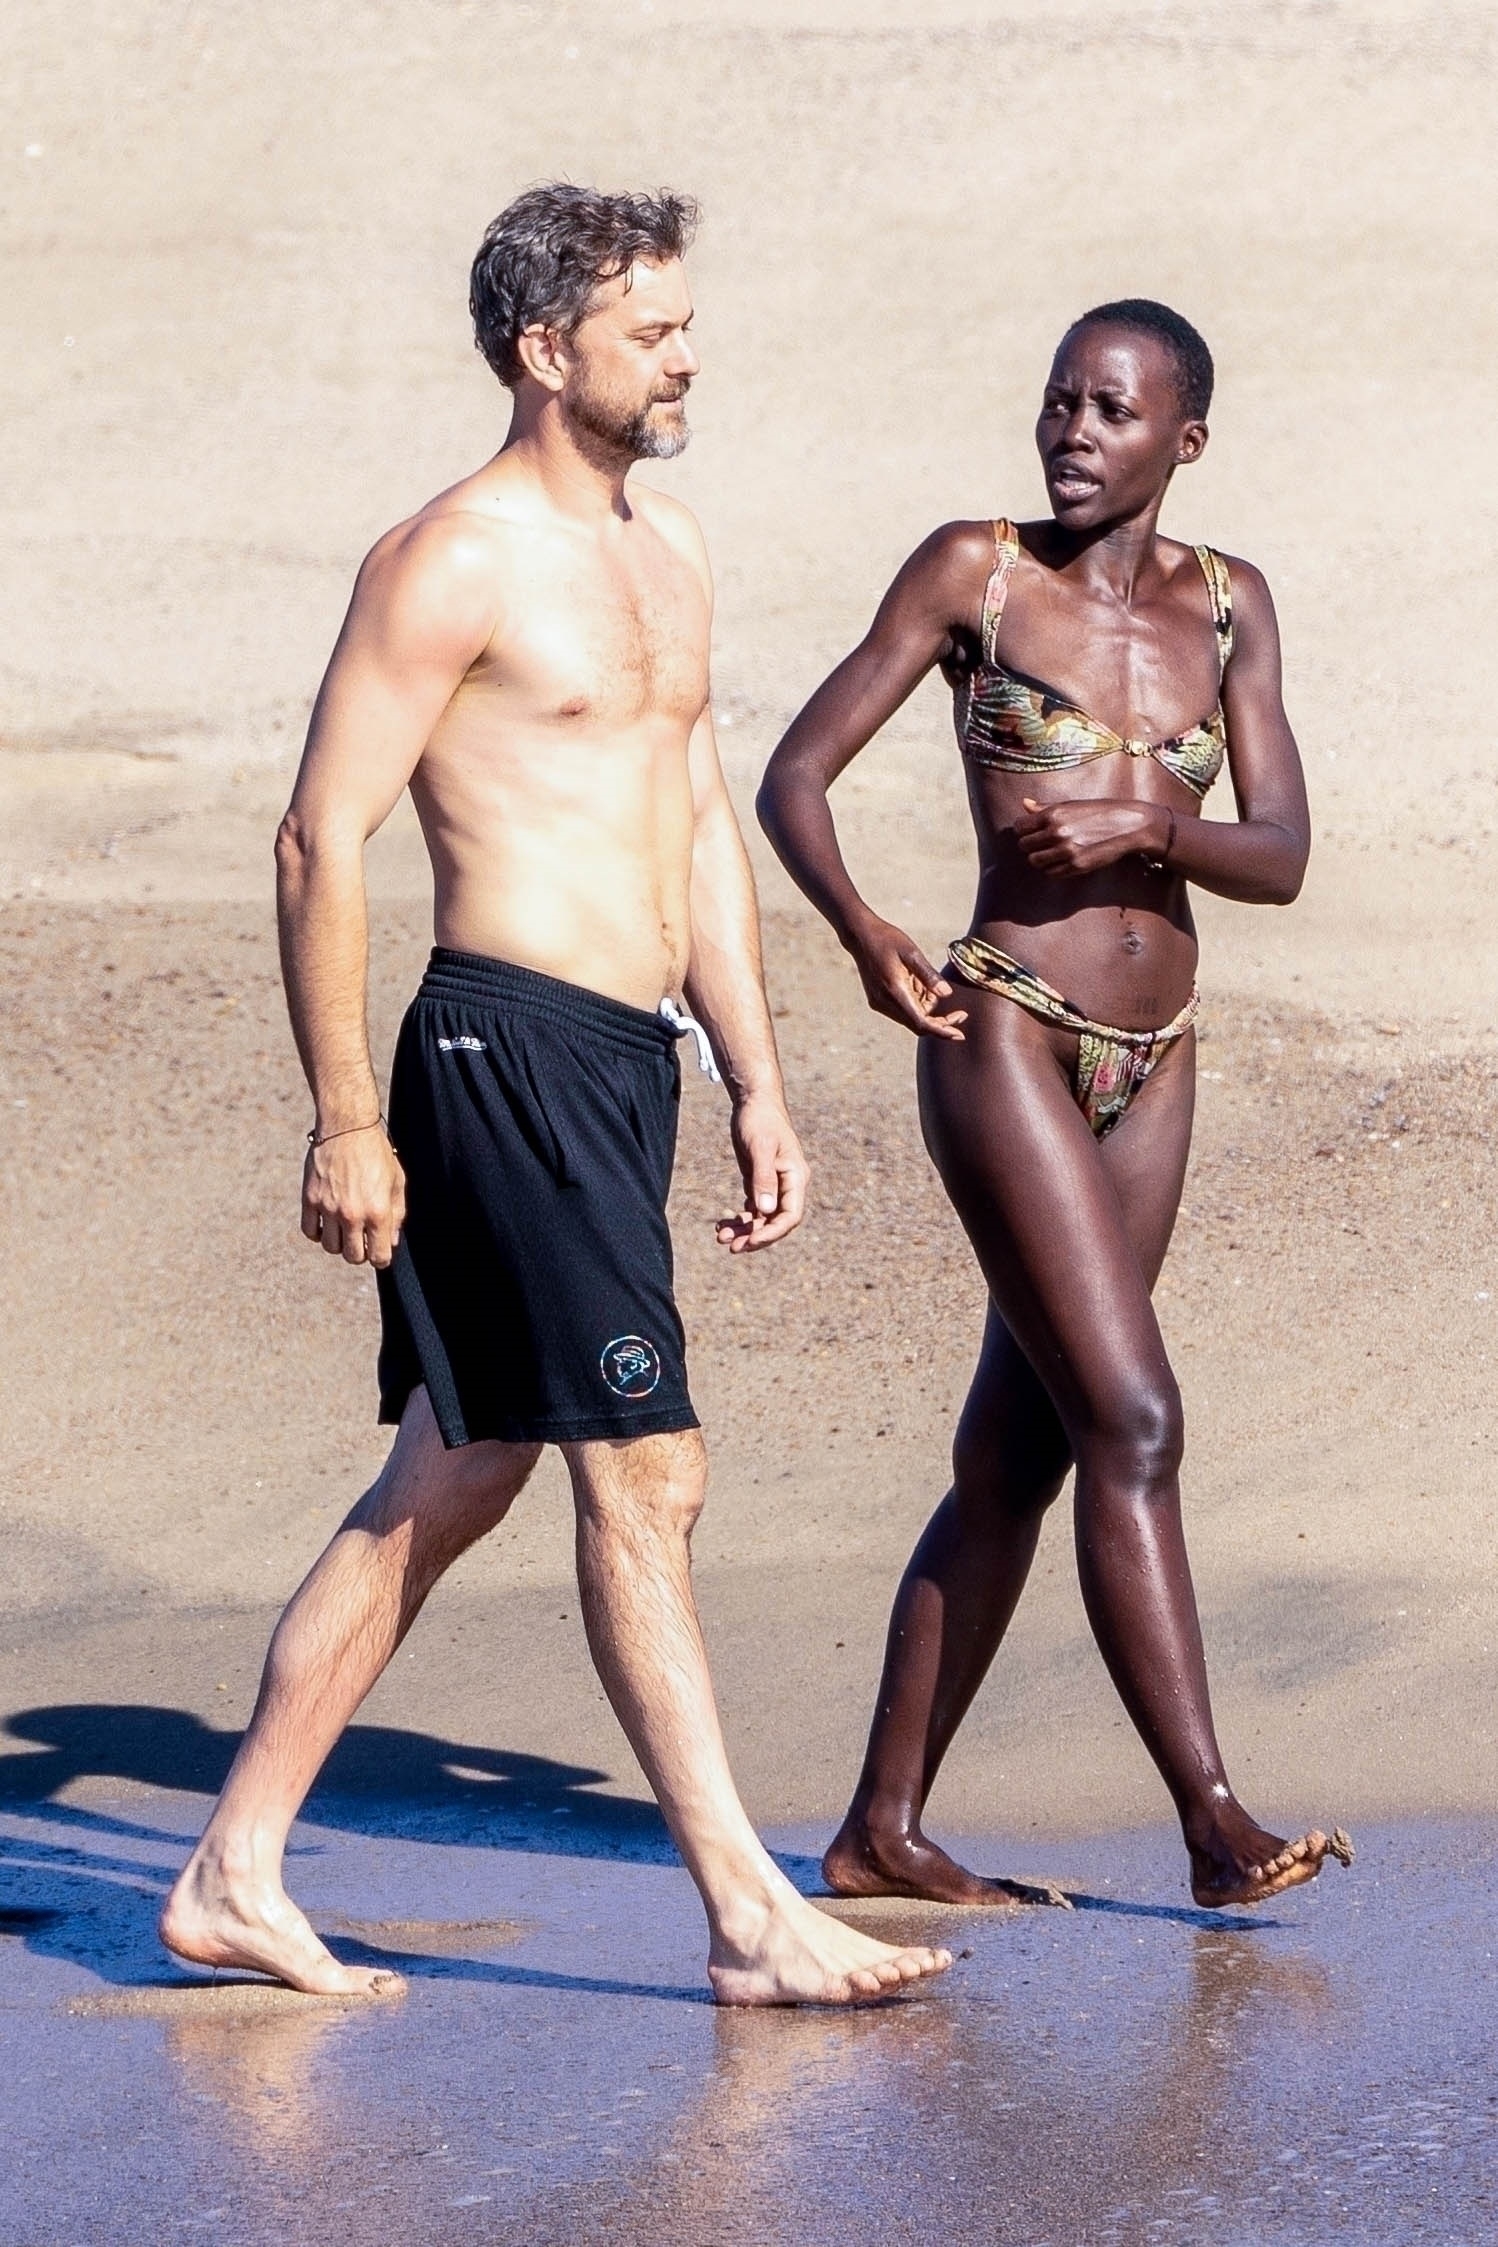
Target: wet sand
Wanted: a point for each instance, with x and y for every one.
(1129, 2071)
(237, 260)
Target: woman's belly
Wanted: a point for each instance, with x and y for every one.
(1119, 944)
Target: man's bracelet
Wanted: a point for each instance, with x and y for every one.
(347, 1132)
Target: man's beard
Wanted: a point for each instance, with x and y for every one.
(614, 432)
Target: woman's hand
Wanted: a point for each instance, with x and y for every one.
(1078, 838)
(900, 982)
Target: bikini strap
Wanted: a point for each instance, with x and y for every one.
(1220, 593)
(996, 591)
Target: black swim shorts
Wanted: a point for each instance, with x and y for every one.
(532, 1289)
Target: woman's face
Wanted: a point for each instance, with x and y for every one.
(1112, 429)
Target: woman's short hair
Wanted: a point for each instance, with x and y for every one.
(1143, 316)
(543, 260)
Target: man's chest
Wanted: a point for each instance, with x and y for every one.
(592, 642)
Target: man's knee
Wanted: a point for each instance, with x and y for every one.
(444, 1500)
(652, 1485)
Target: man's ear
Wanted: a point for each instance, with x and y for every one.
(543, 356)
(1193, 443)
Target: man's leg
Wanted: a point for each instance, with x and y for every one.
(428, 1506)
(637, 1502)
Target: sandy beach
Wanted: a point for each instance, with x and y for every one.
(236, 248)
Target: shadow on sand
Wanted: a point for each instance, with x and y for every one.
(378, 1780)
(81, 1890)
(86, 1892)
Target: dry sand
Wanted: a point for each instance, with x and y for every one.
(235, 259)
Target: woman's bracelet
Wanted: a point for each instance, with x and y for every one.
(347, 1132)
(1161, 865)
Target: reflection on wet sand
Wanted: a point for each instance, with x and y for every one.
(1197, 2129)
(260, 2070)
(805, 2121)
(811, 2120)
(1129, 2073)
(790, 2094)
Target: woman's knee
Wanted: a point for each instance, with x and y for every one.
(1138, 1439)
(1008, 1465)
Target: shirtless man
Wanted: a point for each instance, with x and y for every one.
(529, 654)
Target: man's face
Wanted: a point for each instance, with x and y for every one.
(631, 362)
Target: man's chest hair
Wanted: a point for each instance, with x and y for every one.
(593, 639)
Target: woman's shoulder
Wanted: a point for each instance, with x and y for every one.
(1242, 573)
(953, 564)
(967, 540)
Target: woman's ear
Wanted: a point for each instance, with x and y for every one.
(1193, 443)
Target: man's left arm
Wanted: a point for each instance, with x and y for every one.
(725, 990)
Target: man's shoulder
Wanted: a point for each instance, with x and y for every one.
(446, 537)
(437, 577)
(451, 550)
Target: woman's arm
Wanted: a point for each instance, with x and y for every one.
(1260, 860)
(939, 588)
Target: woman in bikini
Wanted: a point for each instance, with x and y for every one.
(1056, 1064)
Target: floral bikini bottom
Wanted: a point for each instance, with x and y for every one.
(1111, 1064)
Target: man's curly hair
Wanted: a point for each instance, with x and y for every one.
(543, 260)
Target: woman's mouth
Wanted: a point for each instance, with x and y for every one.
(1071, 483)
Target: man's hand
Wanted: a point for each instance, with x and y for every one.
(354, 1196)
(774, 1172)
(1078, 838)
(900, 982)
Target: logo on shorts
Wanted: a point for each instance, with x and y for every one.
(461, 1045)
(631, 1366)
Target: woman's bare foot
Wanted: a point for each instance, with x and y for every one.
(789, 1953)
(910, 1865)
(254, 1927)
(1236, 1862)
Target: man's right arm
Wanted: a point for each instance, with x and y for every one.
(423, 611)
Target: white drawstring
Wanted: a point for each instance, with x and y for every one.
(685, 1025)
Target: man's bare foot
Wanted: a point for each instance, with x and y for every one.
(796, 1955)
(257, 1929)
(857, 1865)
(1237, 1862)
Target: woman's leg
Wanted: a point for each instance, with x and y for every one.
(1010, 1457)
(1133, 1567)
(1070, 1235)
(960, 1588)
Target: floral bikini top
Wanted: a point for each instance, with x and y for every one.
(1018, 724)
